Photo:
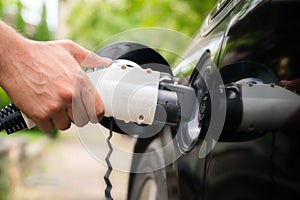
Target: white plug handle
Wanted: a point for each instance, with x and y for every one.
(128, 92)
(30, 124)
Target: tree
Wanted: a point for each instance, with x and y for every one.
(42, 31)
(1, 9)
(91, 22)
(20, 24)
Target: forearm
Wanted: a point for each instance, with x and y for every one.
(12, 46)
(8, 37)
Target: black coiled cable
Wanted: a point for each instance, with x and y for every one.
(109, 169)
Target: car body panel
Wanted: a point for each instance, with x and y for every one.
(267, 33)
(246, 39)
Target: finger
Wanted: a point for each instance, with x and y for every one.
(80, 117)
(70, 113)
(61, 120)
(93, 60)
(294, 84)
(45, 125)
(99, 107)
(284, 83)
(93, 103)
(83, 56)
(77, 113)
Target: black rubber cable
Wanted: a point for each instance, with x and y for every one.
(109, 170)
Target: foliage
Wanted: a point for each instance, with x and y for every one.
(1, 9)
(42, 31)
(4, 4)
(4, 99)
(20, 24)
(91, 22)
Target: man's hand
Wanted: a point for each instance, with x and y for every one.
(294, 84)
(294, 122)
(45, 81)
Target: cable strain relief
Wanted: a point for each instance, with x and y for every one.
(11, 119)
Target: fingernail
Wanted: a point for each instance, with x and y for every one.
(108, 60)
(100, 68)
(285, 82)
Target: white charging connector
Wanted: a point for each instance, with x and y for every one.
(267, 106)
(128, 92)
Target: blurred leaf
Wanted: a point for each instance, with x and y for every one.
(4, 99)
(1, 9)
(91, 22)
(42, 31)
(20, 24)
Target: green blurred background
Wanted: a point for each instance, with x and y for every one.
(89, 22)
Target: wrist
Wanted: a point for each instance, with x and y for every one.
(13, 47)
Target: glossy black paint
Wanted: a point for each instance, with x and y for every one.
(246, 38)
(267, 34)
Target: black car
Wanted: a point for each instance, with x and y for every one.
(249, 41)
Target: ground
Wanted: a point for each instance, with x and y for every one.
(66, 171)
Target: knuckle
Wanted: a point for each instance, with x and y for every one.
(81, 123)
(54, 108)
(64, 127)
(66, 95)
(100, 113)
(47, 128)
(97, 117)
(39, 115)
(68, 42)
